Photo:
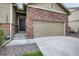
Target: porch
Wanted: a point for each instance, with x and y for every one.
(18, 30)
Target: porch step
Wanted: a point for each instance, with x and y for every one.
(19, 39)
(19, 36)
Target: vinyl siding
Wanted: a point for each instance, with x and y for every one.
(48, 6)
(4, 12)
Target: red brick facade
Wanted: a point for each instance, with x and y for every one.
(13, 29)
(42, 15)
(5, 27)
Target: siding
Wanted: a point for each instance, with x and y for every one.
(49, 6)
(74, 26)
(41, 5)
(74, 21)
(57, 8)
(4, 13)
(13, 15)
(74, 16)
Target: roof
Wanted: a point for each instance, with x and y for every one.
(64, 8)
(61, 5)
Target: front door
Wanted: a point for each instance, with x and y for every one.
(21, 24)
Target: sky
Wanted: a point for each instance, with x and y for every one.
(69, 5)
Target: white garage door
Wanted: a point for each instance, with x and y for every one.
(42, 29)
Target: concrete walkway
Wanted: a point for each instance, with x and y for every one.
(18, 50)
(20, 42)
(58, 46)
(18, 46)
(49, 46)
(19, 39)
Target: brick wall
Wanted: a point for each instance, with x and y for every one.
(13, 30)
(5, 27)
(42, 15)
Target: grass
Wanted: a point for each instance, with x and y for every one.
(33, 53)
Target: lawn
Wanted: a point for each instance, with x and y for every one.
(33, 53)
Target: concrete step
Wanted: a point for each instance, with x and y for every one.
(20, 35)
(19, 38)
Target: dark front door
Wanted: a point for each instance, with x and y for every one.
(21, 24)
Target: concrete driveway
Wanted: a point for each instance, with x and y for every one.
(58, 46)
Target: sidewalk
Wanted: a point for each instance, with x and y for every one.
(18, 46)
(20, 39)
(18, 50)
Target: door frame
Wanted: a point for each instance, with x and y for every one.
(18, 23)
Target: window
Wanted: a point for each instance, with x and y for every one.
(20, 6)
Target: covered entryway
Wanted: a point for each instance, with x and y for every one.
(21, 23)
(43, 28)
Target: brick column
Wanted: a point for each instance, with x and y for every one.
(13, 30)
(29, 26)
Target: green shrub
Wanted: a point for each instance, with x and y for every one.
(33, 53)
(1, 36)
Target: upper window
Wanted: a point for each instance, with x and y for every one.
(20, 6)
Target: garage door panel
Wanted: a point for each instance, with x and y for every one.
(42, 29)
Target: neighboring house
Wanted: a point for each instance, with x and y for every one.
(40, 19)
(74, 19)
(5, 17)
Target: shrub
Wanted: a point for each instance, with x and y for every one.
(33, 53)
(1, 36)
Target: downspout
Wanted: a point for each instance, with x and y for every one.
(10, 21)
(10, 27)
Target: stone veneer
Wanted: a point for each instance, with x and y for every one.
(42, 15)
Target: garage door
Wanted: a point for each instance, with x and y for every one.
(42, 29)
